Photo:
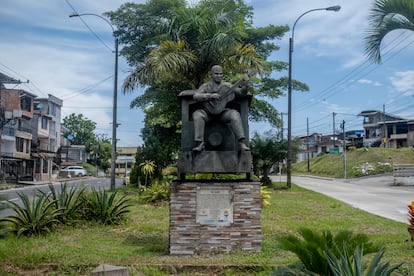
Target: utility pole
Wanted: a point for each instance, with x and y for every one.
(283, 127)
(344, 146)
(384, 128)
(307, 144)
(333, 128)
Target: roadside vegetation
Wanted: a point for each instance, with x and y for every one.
(140, 240)
(359, 162)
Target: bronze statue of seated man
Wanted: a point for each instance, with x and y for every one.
(215, 95)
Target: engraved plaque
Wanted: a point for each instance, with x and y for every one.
(214, 205)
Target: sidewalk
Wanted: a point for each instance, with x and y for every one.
(374, 194)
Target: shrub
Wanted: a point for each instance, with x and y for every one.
(33, 218)
(264, 195)
(345, 265)
(3, 231)
(106, 208)
(311, 247)
(159, 191)
(70, 201)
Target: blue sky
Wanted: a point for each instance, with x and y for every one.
(60, 56)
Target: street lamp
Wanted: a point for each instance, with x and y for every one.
(114, 119)
(289, 157)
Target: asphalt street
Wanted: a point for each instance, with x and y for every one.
(374, 194)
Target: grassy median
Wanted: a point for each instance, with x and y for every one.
(141, 243)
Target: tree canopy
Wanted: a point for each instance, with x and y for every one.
(80, 130)
(172, 46)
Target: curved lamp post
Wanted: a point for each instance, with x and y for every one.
(114, 119)
(289, 153)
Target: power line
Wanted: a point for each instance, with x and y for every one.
(358, 71)
(89, 28)
(86, 89)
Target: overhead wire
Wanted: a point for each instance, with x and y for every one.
(358, 71)
(355, 75)
(89, 28)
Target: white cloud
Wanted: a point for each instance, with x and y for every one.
(369, 82)
(403, 81)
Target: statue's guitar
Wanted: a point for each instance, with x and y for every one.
(216, 106)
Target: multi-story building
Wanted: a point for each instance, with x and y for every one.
(30, 133)
(16, 134)
(125, 159)
(386, 130)
(46, 136)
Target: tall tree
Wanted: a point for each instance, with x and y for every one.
(387, 16)
(80, 130)
(172, 47)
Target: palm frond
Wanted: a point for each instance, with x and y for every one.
(385, 17)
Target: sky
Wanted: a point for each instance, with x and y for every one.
(73, 59)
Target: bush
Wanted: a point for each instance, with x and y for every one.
(33, 218)
(65, 207)
(69, 201)
(106, 208)
(345, 265)
(311, 248)
(159, 191)
(264, 195)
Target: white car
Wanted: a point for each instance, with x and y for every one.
(72, 171)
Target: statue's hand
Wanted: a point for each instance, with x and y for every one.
(214, 96)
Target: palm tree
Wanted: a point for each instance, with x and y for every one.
(196, 40)
(147, 168)
(387, 16)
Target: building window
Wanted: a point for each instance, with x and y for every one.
(28, 145)
(19, 144)
(26, 103)
(44, 122)
(45, 167)
(52, 109)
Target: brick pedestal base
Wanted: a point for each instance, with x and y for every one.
(242, 232)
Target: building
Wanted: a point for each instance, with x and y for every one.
(316, 144)
(125, 160)
(386, 130)
(16, 114)
(30, 134)
(46, 137)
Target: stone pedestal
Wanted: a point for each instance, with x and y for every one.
(215, 217)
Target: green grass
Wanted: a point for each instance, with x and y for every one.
(377, 158)
(141, 243)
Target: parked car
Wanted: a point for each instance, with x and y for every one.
(127, 179)
(72, 171)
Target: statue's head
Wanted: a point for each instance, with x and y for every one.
(217, 73)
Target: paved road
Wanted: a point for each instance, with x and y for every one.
(374, 194)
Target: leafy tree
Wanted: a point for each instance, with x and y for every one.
(80, 129)
(102, 150)
(172, 48)
(267, 151)
(387, 16)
